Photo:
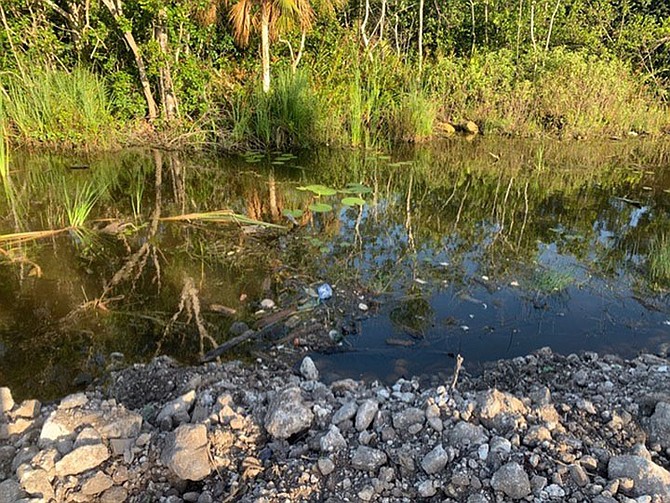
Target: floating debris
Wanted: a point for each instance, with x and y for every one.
(268, 304)
(363, 307)
(420, 281)
(465, 328)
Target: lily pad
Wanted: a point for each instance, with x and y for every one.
(292, 213)
(356, 188)
(353, 201)
(319, 190)
(320, 207)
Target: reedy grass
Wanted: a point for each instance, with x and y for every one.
(659, 262)
(56, 107)
(220, 216)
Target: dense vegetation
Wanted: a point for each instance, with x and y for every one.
(263, 74)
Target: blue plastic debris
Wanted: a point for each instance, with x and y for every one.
(325, 291)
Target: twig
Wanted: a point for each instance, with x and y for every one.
(457, 370)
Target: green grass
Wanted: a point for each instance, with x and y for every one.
(57, 108)
(659, 262)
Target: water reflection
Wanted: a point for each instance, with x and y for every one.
(488, 249)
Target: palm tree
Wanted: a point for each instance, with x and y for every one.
(273, 17)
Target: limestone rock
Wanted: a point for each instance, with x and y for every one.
(426, 489)
(74, 400)
(81, 459)
(435, 460)
(512, 480)
(28, 409)
(100, 482)
(659, 425)
(121, 423)
(308, 369)
(649, 478)
(326, 466)
(536, 435)
(288, 414)
(366, 414)
(186, 452)
(367, 458)
(498, 410)
(36, 483)
(6, 401)
(114, 495)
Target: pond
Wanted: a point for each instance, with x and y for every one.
(488, 248)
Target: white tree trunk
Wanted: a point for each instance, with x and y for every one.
(265, 45)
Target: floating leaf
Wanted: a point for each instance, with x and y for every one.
(356, 188)
(319, 190)
(277, 163)
(292, 213)
(320, 207)
(353, 201)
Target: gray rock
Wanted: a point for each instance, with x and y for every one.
(554, 491)
(466, 434)
(191, 496)
(121, 423)
(287, 414)
(512, 480)
(6, 401)
(333, 440)
(347, 411)
(659, 425)
(238, 328)
(649, 478)
(308, 369)
(326, 466)
(10, 491)
(88, 436)
(404, 419)
(498, 410)
(179, 405)
(579, 475)
(435, 460)
(367, 458)
(81, 459)
(426, 489)
(100, 482)
(366, 414)
(36, 483)
(186, 452)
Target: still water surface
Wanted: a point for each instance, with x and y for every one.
(490, 249)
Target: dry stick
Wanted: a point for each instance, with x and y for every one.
(457, 370)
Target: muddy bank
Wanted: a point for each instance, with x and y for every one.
(545, 427)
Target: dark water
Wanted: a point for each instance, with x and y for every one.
(489, 249)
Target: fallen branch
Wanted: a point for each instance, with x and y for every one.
(457, 370)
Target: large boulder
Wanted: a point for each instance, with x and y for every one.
(659, 425)
(82, 459)
(288, 415)
(648, 477)
(186, 452)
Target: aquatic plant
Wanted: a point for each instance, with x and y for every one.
(547, 280)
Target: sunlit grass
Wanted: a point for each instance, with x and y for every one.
(659, 261)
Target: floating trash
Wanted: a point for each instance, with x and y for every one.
(325, 291)
(363, 307)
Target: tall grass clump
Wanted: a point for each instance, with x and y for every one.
(589, 94)
(658, 262)
(56, 107)
(285, 117)
(413, 117)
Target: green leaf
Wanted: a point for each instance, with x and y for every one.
(356, 188)
(353, 201)
(320, 207)
(319, 190)
(292, 213)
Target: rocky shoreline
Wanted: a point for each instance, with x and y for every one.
(544, 427)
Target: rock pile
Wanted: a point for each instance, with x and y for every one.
(540, 428)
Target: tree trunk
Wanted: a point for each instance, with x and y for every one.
(420, 37)
(115, 9)
(265, 45)
(168, 97)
